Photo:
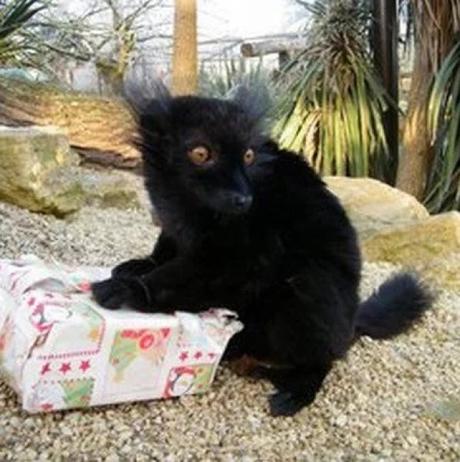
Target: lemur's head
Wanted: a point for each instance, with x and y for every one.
(212, 149)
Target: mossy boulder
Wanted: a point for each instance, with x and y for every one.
(39, 172)
(431, 246)
(374, 206)
(34, 170)
(394, 227)
(110, 189)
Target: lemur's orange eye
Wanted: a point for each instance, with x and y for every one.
(200, 155)
(249, 157)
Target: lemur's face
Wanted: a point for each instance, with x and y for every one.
(210, 147)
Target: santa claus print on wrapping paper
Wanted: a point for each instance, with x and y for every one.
(129, 344)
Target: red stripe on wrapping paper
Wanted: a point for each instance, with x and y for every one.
(76, 354)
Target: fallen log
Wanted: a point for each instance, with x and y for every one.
(254, 49)
(101, 129)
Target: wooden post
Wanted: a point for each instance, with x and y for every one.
(185, 53)
(283, 59)
(266, 47)
(385, 44)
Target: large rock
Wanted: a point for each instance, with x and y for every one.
(374, 206)
(394, 227)
(431, 246)
(38, 171)
(34, 170)
(111, 189)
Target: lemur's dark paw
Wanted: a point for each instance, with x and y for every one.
(286, 403)
(115, 293)
(135, 267)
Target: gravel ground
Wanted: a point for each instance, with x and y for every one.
(389, 400)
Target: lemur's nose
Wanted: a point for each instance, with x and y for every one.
(242, 201)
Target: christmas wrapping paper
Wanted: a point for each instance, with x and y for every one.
(60, 350)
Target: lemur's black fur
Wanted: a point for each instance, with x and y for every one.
(263, 238)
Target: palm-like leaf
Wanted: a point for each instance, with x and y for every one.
(13, 16)
(219, 81)
(333, 104)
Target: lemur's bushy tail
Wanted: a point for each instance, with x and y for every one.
(396, 305)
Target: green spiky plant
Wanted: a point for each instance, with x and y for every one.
(14, 15)
(220, 80)
(333, 104)
(443, 191)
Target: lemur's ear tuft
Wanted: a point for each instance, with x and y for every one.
(140, 98)
(151, 108)
(254, 100)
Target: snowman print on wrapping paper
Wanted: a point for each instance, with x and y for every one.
(188, 379)
(132, 343)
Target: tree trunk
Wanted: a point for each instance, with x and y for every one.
(113, 80)
(100, 129)
(385, 47)
(417, 149)
(185, 61)
(435, 23)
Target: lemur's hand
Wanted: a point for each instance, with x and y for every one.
(135, 267)
(118, 292)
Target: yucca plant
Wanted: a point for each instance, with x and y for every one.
(443, 192)
(219, 80)
(223, 80)
(14, 14)
(333, 104)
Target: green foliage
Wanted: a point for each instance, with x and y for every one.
(13, 17)
(221, 79)
(443, 192)
(332, 106)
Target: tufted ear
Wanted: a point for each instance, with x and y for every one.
(140, 96)
(254, 100)
(150, 105)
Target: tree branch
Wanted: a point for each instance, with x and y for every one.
(303, 3)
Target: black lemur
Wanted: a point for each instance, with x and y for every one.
(250, 226)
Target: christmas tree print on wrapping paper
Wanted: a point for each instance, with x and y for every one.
(131, 343)
(77, 392)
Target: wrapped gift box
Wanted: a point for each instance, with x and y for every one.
(60, 350)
